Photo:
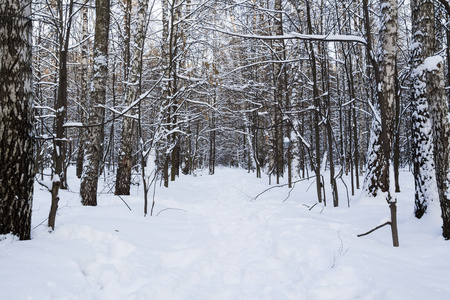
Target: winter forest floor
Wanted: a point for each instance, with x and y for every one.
(210, 241)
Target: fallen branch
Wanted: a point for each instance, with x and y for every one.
(289, 195)
(310, 207)
(376, 228)
(170, 208)
(124, 202)
(277, 186)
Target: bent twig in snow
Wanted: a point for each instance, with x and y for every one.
(376, 228)
(124, 202)
(280, 185)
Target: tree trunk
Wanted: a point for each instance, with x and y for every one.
(84, 90)
(212, 143)
(423, 37)
(94, 149)
(123, 177)
(54, 205)
(396, 150)
(356, 143)
(441, 133)
(61, 104)
(16, 119)
(316, 106)
(385, 85)
(279, 90)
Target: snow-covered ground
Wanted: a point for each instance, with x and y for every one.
(210, 241)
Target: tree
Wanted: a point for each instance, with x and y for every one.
(16, 125)
(317, 109)
(423, 41)
(94, 149)
(279, 91)
(434, 66)
(441, 132)
(123, 178)
(61, 102)
(384, 71)
(83, 88)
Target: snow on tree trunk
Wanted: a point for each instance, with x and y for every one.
(94, 149)
(372, 180)
(385, 79)
(434, 66)
(377, 178)
(422, 46)
(16, 125)
(123, 177)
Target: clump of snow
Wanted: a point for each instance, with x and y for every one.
(432, 63)
(210, 241)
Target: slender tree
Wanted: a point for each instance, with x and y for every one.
(94, 149)
(312, 55)
(123, 178)
(61, 102)
(83, 87)
(384, 71)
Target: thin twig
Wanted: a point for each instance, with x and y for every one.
(124, 202)
(346, 188)
(277, 186)
(40, 224)
(42, 184)
(289, 194)
(378, 227)
(169, 209)
(311, 183)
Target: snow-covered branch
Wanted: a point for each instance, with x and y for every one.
(299, 36)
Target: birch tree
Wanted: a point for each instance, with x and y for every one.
(123, 178)
(83, 87)
(434, 66)
(16, 125)
(382, 135)
(94, 149)
(422, 47)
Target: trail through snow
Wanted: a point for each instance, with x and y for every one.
(209, 241)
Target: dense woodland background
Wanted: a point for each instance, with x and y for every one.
(144, 90)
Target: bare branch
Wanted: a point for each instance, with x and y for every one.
(376, 228)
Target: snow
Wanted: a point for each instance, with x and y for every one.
(210, 241)
(56, 178)
(432, 63)
(297, 35)
(73, 124)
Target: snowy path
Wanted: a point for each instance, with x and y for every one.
(210, 242)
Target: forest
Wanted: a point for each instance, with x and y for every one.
(229, 149)
(142, 91)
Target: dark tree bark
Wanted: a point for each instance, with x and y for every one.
(84, 90)
(61, 103)
(278, 46)
(396, 150)
(16, 121)
(316, 106)
(94, 149)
